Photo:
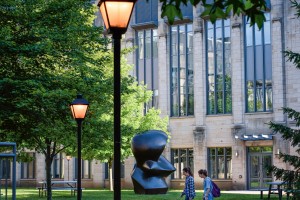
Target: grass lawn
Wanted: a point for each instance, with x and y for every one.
(93, 194)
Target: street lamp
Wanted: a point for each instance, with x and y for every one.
(116, 16)
(68, 159)
(79, 107)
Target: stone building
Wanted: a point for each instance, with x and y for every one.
(220, 84)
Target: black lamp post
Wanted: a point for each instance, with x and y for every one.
(116, 16)
(79, 107)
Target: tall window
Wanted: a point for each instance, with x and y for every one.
(5, 168)
(181, 158)
(219, 163)
(146, 64)
(182, 72)
(57, 166)
(258, 64)
(28, 168)
(107, 171)
(218, 63)
(86, 168)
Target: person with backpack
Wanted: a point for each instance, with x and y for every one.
(207, 185)
(189, 189)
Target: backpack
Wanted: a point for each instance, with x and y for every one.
(216, 192)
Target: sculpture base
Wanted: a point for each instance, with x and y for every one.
(148, 185)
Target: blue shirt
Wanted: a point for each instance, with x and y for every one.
(189, 189)
(208, 185)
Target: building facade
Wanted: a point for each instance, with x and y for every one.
(219, 84)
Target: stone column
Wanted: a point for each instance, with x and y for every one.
(199, 68)
(163, 70)
(278, 62)
(237, 76)
(239, 176)
(200, 152)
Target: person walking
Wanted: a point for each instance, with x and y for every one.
(189, 188)
(207, 185)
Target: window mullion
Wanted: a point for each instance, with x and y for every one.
(223, 67)
(186, 72)
(215, 71)
(137, 56)
(178, 70)
(152, 66)
(171, 72)
(254, 73)
(264, 69)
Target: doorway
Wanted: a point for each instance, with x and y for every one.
(258, 159)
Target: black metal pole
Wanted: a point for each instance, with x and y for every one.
(79, 122)
(117, 117)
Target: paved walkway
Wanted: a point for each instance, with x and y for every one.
(240, 191)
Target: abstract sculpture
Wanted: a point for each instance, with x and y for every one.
(151, 168)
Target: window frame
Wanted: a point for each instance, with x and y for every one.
(226, 85)
(188, 160)
(5, 169)
(83, 166)
(266, 84)
(26, 165)
(106, 170)
(152, 59)
(217, 165)
(57, 167)
(188, 89)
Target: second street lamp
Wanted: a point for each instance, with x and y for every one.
(116, 16)
(68, 159)
(79, 107)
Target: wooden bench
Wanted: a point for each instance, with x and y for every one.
(41, 191)
(44, 190)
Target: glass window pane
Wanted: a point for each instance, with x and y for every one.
(182, 103)
(181, 158)
(148, 44)
(141, 44)
(155, 44)
(218, 66)
(220, 163)
(249, 35)
(259, 67)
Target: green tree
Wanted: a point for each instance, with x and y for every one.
(43, 46)
(292, 135)
(290, 176)
(253, 9)
(49, 52)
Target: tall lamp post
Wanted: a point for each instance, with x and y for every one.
(79, 107)
(68, 159)
(116, 16)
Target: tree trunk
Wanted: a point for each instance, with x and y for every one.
(48, 161)
(111, 188)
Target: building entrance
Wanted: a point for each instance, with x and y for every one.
(258, 159)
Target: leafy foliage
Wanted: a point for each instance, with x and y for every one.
(49, 52)
(290, 176)
(253, 9)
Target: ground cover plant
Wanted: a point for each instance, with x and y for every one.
(95, 194)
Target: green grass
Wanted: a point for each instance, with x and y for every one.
(93, 194)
